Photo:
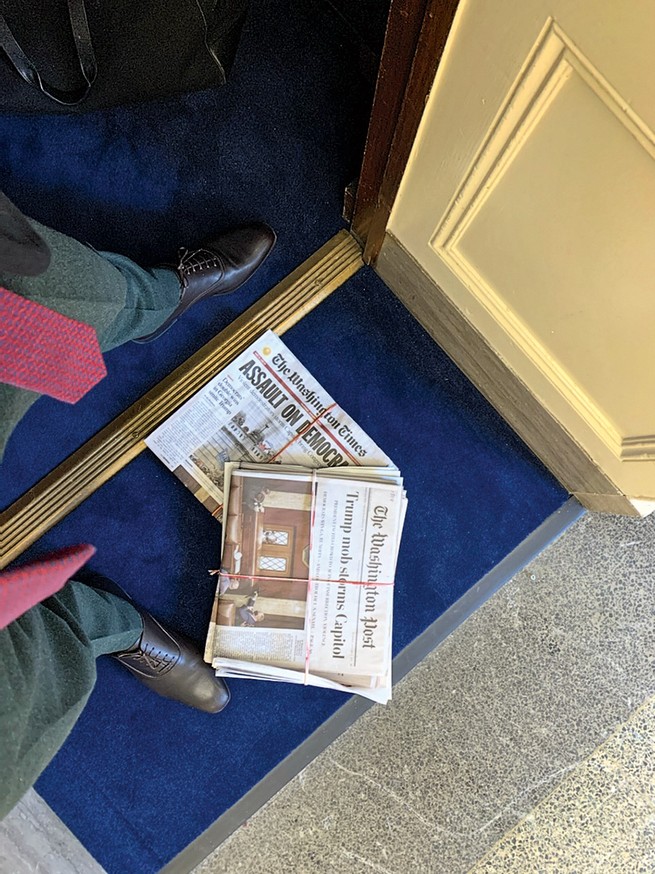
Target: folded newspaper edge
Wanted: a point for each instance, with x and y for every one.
(263, 407)
(305, 592)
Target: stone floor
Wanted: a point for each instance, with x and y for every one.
(524, 743)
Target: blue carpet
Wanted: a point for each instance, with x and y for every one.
(141, 777)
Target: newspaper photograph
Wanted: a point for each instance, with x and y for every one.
(305, 590)
(264, 407)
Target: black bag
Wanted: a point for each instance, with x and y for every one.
(63, 55)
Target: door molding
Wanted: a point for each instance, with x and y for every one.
(471, 352)
(552, 62)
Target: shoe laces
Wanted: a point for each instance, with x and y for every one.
(154, 658)
(193, 261)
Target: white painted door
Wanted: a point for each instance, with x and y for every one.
(529, 199)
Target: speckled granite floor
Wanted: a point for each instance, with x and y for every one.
(33, 838)
(601, 816)
(523, 744)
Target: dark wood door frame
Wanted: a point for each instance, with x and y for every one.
(415, 39)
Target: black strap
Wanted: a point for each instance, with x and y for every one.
(85, 56)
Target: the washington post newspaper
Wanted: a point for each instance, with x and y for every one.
(263, 407)
(305, 589)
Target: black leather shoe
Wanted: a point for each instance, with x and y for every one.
(222, 265)
(171, 665)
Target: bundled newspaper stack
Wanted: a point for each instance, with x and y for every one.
(305, 591)
(312, 532)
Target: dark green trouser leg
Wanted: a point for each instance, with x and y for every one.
(121, 300)
(47, 672)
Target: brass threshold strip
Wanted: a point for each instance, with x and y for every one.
(76, 478)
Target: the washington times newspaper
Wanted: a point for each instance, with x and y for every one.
(305, 590)
(264, 407)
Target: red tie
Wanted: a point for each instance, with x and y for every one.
(46, 352)
(24, 586)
